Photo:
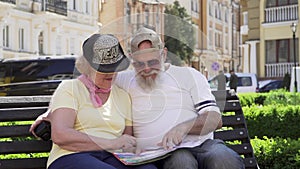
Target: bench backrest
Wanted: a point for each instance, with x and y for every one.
(15, 138)
(234, 131)
(16, 116)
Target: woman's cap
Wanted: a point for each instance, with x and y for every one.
(104, 53)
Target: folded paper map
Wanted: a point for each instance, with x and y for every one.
(150, 155)
(144, 157)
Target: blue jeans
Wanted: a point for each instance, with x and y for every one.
(212, 154)
(93, 160)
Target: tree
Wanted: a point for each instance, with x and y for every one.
(179, 34)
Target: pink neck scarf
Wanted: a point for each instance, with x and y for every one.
(94, 90)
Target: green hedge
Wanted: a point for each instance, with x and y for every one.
(277, 153)
(278, 97)
(273, 121)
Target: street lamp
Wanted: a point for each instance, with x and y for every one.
(294, 29)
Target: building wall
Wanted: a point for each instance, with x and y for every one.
(260, 31)
(63, 33)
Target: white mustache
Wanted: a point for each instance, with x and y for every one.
(142, 73)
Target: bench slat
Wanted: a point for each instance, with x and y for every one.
(231, 121)
(28, 146)
(27, 163)
(242, 149)
(24, 101)
(224, 95)
(231, 135)
(250, 163)
(15, 131)
(21, 114)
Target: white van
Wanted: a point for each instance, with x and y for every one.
(247, 82)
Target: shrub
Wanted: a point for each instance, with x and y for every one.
(277, 153)
(273, 121)
(280, 96)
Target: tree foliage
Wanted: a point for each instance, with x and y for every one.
(179, 34)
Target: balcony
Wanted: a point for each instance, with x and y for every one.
(278, 69)
(244, 29)
(281, 13)
(58, 6)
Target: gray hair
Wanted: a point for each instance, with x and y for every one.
(83, 65)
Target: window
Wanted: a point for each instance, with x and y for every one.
(244, 81)
(138, 20)
(210, 37)
(226, 16)
(273, 3)
(147, 17)
(58, 45)
(210, 9)
(41, 43)
(280, 51)
(194, 5)
(87, 7)
(72, 45)
(128, 12)
(74, 5)
(245, 18)
(21, 39)
(5, 33)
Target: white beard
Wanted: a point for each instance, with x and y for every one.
(147, 83)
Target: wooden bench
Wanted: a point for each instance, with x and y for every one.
(15, 138)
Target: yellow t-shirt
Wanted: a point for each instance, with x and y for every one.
(107, 121)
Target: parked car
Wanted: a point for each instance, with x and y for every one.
(36, 75)
(32, 88)
(40, 68)
(247, 82)
(271, 85)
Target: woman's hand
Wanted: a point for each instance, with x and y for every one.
(126, 143)
(173, 137)
(38, 121)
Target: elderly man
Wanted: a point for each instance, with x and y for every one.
(174, 106)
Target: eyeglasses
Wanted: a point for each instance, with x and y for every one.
(150, 63)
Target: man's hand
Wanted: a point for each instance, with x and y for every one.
(175, 136)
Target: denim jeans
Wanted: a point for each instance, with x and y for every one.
(93, 160)
(212, 154)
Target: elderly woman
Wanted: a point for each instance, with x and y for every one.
(89, 115)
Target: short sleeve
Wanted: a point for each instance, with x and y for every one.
(64, 97)
(201, 94)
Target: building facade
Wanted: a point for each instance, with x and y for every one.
(218, 47)
(45, 27)
(123, 17)
(268, 44)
